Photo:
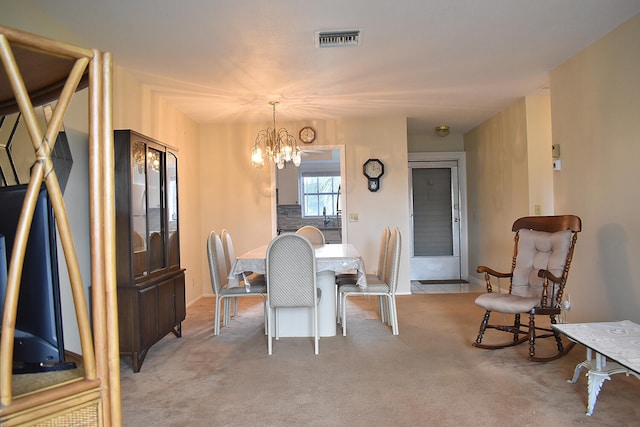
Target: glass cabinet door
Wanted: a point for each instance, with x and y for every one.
(172, 209)
(148, 201)
(155, 211)
(139, 207)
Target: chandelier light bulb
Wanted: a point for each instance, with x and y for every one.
(257, 159)
(297, 158)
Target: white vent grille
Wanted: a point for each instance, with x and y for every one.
(338, 38)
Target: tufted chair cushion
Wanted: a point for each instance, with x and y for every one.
(539, 250)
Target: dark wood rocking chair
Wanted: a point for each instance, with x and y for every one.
(541, 259)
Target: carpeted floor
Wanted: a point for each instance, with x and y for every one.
(428, 375)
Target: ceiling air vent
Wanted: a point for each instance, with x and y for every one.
(338, 38)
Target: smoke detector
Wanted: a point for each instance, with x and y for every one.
(337, 38)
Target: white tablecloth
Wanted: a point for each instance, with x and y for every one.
(338, 258)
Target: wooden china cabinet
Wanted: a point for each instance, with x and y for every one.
(151, 284)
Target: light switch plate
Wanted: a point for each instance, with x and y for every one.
(555, 151)
(353, 217)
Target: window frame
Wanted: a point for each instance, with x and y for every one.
(318, 174)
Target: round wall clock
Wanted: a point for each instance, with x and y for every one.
(307, 134)
(373, 170)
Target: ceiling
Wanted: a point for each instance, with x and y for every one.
(453, 62)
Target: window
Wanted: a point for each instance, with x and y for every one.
(320, 193)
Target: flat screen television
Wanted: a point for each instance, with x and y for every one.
(38, 343)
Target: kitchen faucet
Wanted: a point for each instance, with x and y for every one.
(324, 214)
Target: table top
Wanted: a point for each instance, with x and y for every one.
(338, 257)
(328, 250)
(619, 341)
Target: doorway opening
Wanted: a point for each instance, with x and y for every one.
(290, 204)
(438, 217)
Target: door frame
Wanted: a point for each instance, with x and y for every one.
(460, 158)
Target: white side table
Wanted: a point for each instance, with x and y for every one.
(619, 341)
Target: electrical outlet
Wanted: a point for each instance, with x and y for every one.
(353, 217)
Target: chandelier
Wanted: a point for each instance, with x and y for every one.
(276, 145)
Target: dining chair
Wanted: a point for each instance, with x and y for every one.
(291, 280)
(352, 278)
(219, 282)
(314, 234)
(229, 257)
(385, 288)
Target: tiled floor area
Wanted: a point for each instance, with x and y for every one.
(445, 288)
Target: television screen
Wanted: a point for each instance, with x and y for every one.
(38, 343)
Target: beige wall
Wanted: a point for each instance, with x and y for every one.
(509, 172)
(540, 164)
(431, 142)
(497, 186)
(233, 194)
(240, 198)
(595, 100)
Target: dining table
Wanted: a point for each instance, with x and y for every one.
(331, 258)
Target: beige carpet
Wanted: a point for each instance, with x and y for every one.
(429, 375)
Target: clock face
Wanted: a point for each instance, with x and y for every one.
(307, 135)
(373, 168)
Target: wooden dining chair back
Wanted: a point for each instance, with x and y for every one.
(219, 283)
(542, 256)
(386, 287)
(314, 234)
(291, 280)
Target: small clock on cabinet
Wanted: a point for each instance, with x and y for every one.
(307, 134)
(373, 170)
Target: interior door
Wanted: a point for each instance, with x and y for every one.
(435, 220)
